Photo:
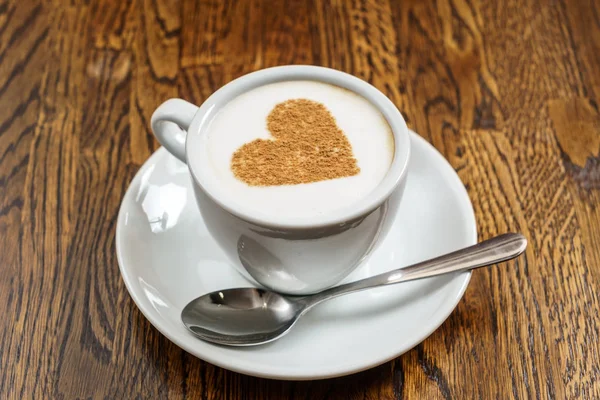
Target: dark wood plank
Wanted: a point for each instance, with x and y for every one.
(25, 33)
(155, 68)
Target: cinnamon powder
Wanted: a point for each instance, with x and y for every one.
(307, 146)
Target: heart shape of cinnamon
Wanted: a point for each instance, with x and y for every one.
(307, 146)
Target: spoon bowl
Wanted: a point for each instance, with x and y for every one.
(242, 316)
(252, 316)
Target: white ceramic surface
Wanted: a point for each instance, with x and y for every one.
(284, 253)
(167, 258)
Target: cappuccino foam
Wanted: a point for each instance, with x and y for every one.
(363, 148)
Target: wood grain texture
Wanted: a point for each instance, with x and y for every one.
(507, 91)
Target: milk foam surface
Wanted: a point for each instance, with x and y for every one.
(243, 119)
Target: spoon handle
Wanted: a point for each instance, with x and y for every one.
(491, 251)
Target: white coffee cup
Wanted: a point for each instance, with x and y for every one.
(290, 256)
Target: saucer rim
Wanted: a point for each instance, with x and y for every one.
(270, 373)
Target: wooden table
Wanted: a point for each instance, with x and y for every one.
(507, 91)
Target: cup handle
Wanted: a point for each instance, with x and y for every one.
(170, 122)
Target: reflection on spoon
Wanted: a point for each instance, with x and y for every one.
(263, 265)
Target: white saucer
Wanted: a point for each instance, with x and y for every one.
(167, 258)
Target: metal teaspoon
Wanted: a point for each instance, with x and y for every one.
(252, 316)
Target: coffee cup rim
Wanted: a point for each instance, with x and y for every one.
(200, 170)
